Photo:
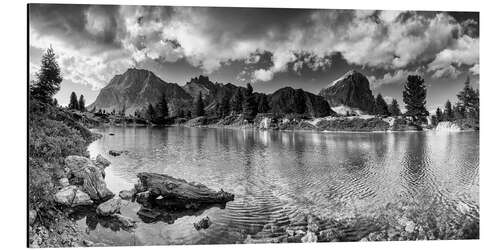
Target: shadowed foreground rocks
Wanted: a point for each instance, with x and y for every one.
(165, 191)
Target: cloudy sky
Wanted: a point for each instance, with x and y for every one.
(270, 48)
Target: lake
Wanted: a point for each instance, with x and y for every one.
(275, 175)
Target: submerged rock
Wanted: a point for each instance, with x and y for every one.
(126, 194)
(109, 207)
(71, 196)
(124, 220)
(203, 223)
(101, 161)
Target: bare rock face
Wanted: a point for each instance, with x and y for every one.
(289, 100)
(109, 207)
(352, 90)
(83, 172)
(72, 196)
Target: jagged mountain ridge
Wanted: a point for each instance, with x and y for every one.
(352, 90)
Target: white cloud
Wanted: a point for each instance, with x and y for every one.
(464, 50)
(447, 72)
(398, 76)
(475, 69)
(262, 75)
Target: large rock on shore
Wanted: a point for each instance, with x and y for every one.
(109, 207)
(164, 190)
(84, 173)
(72, 196)
(352, 90)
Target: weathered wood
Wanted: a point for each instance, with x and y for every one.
(165, 190)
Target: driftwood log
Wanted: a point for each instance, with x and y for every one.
(166, 191)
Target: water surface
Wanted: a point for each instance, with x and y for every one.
(275, 175)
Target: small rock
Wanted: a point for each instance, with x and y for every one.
(410, 227)
(100, 160)
(148, 213)
(111, 134)
(32, 216)
(203, 223)
(64, 182)
(126, 194)
(88, 243)
(143, 197)
(309, 237)
(124, 220)
(117, 152)
(109, 207)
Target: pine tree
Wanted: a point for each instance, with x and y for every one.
(249, 104)
(414, 95)
(225, 106)
(381, 106)
(150, 112)
(55, 103)
(262, 104)
(48, 78)
(237, 101)
(394, 108)
(73, 101)
(81, 104)
(468, 101)
(93, 110)
(439, 115)
(199, 106)
(162, 107)
(448, 112)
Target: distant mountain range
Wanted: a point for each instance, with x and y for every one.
(136, 88)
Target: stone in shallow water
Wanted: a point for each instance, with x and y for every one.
(203, 223)
(126, 194)
(109, 207)
(124, 220)
(101, 161)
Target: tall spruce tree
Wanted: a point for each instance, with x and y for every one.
(55, 103)
(249, 104)
(81, 104)
(381, 107)
(150, 113)
(468, 101)
(262, 104)
(225, 106)
(439, 115)
(237, 102)
(162, 107)
(48, 79)
(394, 108)
(448, 112)
(199, 106)
(414, 95)
(73, 101)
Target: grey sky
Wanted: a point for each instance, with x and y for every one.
(271, 48)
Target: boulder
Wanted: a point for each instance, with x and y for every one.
(32, 216)
(204, 223)
(352, 90)
(165, 190)
(83, 172)
(101, 161)
(124, 220)
(143, 197)
(126, 194)
(109, 207)
(72, 196)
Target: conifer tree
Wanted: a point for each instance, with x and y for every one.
(262, 104)
(249, 104)
(162, 107)
(448, 112)
(55, 103)
(468, 101)
(199, 106)
(225, 106)
(237, 102)
(150, 112)
(394, 108)
(439, 115)
(381, 106)
(414, 95)
(73, 101)
(81, 104)
(48, 79)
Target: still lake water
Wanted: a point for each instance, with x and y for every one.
(275, 175)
